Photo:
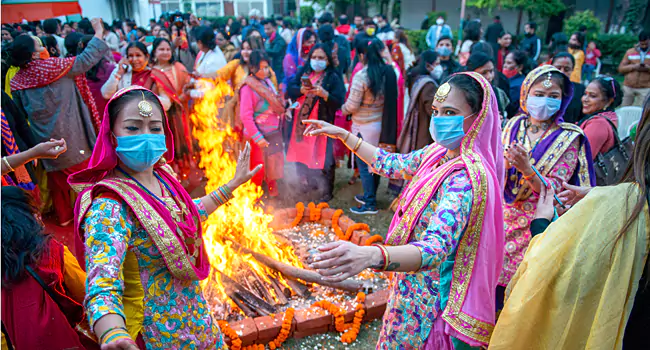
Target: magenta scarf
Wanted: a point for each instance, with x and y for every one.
(470, 312)
(168, 235)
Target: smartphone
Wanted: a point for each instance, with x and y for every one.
(149, 39)
(306, 82)
(125, 67)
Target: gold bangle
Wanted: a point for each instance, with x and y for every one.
(4, 160)
(356, 147)
(346, 138)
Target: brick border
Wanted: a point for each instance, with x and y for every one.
(311, 321)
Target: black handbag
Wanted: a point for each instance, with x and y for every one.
(611, 165)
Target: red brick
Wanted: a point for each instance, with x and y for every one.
(246, 330)
(268, 327)
(358, 236)
(326, 214)
(345, 222)
(376, 305)
(311, 331)
(364, 238)
(291, 214)
(312, 318)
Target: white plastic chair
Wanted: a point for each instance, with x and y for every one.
(597, 70)
(627, 116)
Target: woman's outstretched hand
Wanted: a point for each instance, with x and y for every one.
(341, 260)
(243, 172)
(319, 127)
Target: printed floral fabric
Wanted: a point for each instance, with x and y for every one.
(414, 301)
(174, 312)
(518, 215)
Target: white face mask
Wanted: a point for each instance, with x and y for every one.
(440, 21)
(542, 108)
(436, 73)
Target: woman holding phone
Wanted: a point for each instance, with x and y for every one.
(319, 91)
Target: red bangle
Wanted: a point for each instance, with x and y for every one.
(383, 254)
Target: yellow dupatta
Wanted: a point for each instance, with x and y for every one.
(575, 287)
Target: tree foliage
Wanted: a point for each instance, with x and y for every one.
(583, 18)
(543, 8)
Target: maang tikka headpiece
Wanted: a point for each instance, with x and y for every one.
(547, 83)
(145, 108)
(443, 92)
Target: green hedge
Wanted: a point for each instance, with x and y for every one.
(418, 39)
(613, 46)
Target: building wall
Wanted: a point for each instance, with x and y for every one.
(97, 8)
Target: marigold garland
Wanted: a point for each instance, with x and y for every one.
(235, 342)
(355, 227)
(300, 211)
(314, 214)
(353, 332)
(284, 331)
(335, 223)
(374, 239)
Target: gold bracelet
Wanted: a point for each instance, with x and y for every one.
(4, 160)
(356, 147)
(346, 138)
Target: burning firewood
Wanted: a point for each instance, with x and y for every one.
(298, 273)
(252, 301)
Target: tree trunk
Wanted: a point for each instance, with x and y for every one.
(519, 16)
(610, 12)
(391, 5)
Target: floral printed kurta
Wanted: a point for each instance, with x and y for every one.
(127, 276)
(417, 298)
(519, 214)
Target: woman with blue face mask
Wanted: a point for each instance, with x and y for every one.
(445, 243)
(319, 91)
(539, 137)
(143, 246)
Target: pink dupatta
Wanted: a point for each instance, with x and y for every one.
(470, 312)
(168, 235)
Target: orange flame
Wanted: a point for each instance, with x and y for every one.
(241, 220)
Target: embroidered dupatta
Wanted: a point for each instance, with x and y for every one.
(168, 236)
(552, 146)
(470, 312)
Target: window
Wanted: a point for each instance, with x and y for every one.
(208, 8)
(243, 7)
(170, 6)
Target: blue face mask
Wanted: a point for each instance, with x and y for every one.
(444, 51)
(140, 152)
(542, 108)
(447, 131)
(318, 65)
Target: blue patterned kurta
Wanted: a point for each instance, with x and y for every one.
(128, 276)
(417, 298)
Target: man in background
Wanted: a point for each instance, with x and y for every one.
(341, 41)
(531, 44)
(493, 32)
(437, 31)
(276, 47)
(635, 66)
(52, 28)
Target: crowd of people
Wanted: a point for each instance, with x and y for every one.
(484, 143)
